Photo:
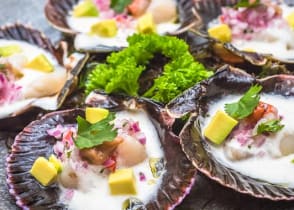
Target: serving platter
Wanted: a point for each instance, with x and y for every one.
(206, 194)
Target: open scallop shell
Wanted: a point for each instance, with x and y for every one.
(73, 64)
(56, 12)
(208, 10)
(226, 81)
(34, 141)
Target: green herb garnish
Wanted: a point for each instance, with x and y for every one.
(90, 135)
(123, 69)
(271, 126)
(2, 66)
(247, 3)
(119, 5)
(246, 105)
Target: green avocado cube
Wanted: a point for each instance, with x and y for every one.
(219, 127)
(9, 50)
(146, 24)
(85, 9)
(105, 28)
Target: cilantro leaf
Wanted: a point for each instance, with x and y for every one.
(247, 3)
(90, 135)
(119, 5)
(246, 105)
(272, 126)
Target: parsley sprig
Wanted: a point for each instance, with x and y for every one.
(90, 135)
(271, 126)
(246, 105)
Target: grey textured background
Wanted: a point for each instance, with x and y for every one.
(206, 194)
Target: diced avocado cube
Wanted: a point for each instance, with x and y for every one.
(221, 32)
(57, 164)
(43, 171)
(95, 114)
(40, 63)
(105, 28)
(85, 9)
(9, 50)
(122, 182)
(290, 20)
(146, 24)
(219, 127)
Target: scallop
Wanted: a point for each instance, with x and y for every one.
(246, 170)
(177, 172)
(32, 89)
(166, 12)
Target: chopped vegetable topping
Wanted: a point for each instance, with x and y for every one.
(247, 3)
(156, 166)
(9, 91)
(123, 69)
(246, 105)
(90, 135)
(271, 126)
(119, 5)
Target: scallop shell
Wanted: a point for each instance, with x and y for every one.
(34, 141)
(195, 101)
(56, 12)
(208, 10)
(73, 65)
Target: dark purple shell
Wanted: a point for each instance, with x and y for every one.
(32, 36)
(34, 141)
(226, 81)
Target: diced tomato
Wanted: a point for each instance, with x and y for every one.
(138, 7)
(261, 110)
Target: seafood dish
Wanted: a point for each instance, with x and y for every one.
(265, 27)
(118, 158)
(105, 25)
(33, 73)
(241, 134)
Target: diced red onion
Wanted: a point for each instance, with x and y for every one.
(56, 132)
(9, 91)
(142, 177)
(68, 195)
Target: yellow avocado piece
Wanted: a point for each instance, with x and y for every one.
(219, 127)
(85, 9)
(9, 50)
(122, 182)
(146, 24)
(105, 28)
(221, 32)
(43, 171)
(290, 19)
(57, 164)
(94, 114)
(40, 63)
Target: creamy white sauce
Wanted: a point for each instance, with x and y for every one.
(277, 39)
(85, 41)
(268, 168)
(34, 81)
(94, 192)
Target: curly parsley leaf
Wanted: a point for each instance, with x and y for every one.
(119, 5)
(246, 105)
(247, 3)
(90, 135)
(271, 126)
(123, 69)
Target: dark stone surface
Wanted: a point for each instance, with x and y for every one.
(205, 195)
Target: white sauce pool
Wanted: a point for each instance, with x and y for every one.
(96, 194)
(34, 81)
(274, 170)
